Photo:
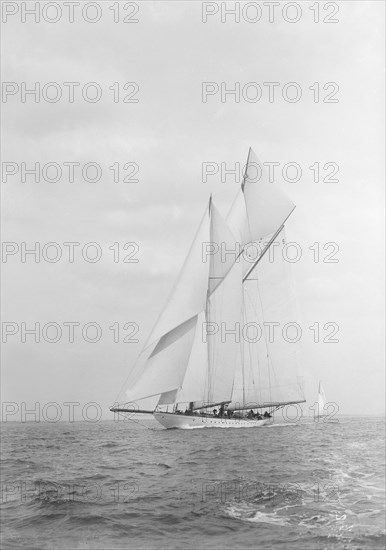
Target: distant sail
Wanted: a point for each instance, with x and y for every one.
(321, 400)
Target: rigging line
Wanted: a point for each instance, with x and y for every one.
(250, 355)
(245, 175)
(243, 363)
(220, 313)
(208, 315)
(269, 357)
(135, 364)
(217, 307)
(251, 373)
(234, 382)
(263, 252)
(257, 359)
(254, 306)
(265, 341)
(268, 246)
(208, 350)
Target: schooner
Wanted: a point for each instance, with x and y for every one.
(213, 359)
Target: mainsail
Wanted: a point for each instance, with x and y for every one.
(224, 319)
(213, 341)
(270, 335)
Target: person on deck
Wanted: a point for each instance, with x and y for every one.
(267, 415)
(221, 411)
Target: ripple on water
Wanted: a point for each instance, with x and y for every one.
(124, 486)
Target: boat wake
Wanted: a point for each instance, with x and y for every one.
(245, 512)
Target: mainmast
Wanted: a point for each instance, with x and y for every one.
(207, 318)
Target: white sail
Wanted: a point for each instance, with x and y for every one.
(268, 374)
(163, 366)
(188, 296)
(225, 249)
(210, 373)
(237, 219)
(260, 207)
(193, 386)
(321, 400)
(223, 323)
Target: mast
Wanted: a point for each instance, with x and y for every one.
(208, 350)
(207, 317)
(242, 351)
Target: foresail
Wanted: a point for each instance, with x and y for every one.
(162, 364)
(188, 296)
(195, 380)
(162, 368)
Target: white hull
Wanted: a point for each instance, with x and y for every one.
(187, 422)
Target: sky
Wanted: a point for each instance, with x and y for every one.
(167, 135)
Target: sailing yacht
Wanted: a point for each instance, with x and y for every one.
(212, 358)
(321, 401)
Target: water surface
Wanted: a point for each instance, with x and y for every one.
(119, 485)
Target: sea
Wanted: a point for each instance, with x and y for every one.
(132, 484)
